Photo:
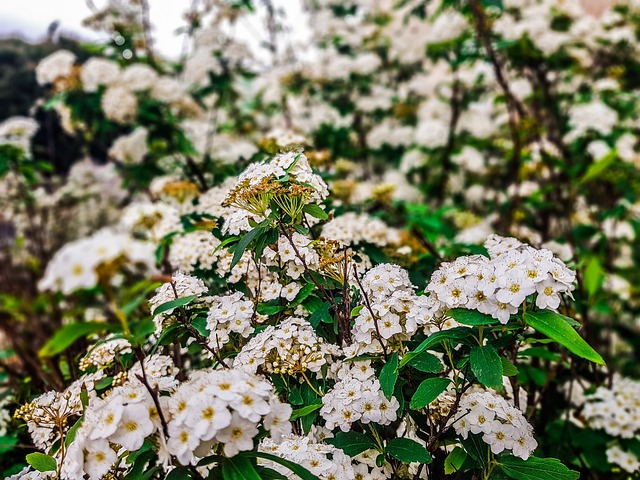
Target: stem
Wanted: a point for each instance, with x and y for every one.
(311, 386)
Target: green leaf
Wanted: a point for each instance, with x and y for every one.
(593, 276)
(425, 362)
(456, 334)
(239, 468)
(265, 309)
(428, 391)
(454, 460)
(471, 317)
(508, 368)
(389, 376)
(7, 443)
(407, 450)
(68, 334)
(486, 365)
(597, 168)
(299, 470)
(180, 473)
(242, 245)
(351, 443)
(178, 302)
(555, 327)
(71, 433)
(315, 211)
(321, 314)
(535, 468)
(41, 462)
(268, 474)
(304, 411)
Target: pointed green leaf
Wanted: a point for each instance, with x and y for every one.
(454, 460)
(178, 302)
(68, 334)
(299, 470)
(389, 376)
(351, 443)
(41, 462)
(556, 328)
(428, 391)
(535, 468)
(239, 468)
(242, 245)
(486, 365)
(425, 362)
(315, 211)
(408, 451)
(471, 317)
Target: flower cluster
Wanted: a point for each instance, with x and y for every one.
(79, 264)
(616, 410)
(180, 286)
(498, 285)
(229, 313)
(390, 309)
(357, 396)
(502, 426)
(291, 348)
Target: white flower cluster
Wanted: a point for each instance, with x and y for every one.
(130, 148)
(503, 427)
(194, 249)
(498, 285)
(224, 407)
(357, 397)
(624, 459)
(616, 410)
(57, 65)
(98, 72)
(75, 265)
(399, 312)
(18, 131)
(229, 313)
(104, 353)
(352, 228)
(180, 286)
(325, 461)
(291, 347)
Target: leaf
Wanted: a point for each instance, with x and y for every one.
(315, 211)
(304, 411)
(597, 168)
(242, 245)
(239, 468)
(535, 468)
(454, 460)
(457, 334)
(471, 317)
(425, 362)
(389, 376)
(593, 276)
(178, 302)
(486, 365)
(428, 391)
(352, 443)
(508, 368)
(268, 474)
(68, 334)
(7, 442)
(555, 327)
(407, 450)
(299, 470)
(180, 473)
(41, 462)
(71, 433)
(321, 314)
(266, 309)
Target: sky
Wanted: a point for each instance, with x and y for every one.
(31, 19)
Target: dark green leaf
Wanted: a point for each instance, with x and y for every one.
(594, 276)
(425, 362)
(389, 376)
(508, 368)
(555, 327)
(352, 443)
(242, 245)
(239, 468)
(299, 470)
(41, 462)
(536, 469)
(407, 450)
(68, 334)
(178, 302)
(486, 365)
(428, 391)
(456, 334)
(471, 317)
(315, 211)
(180, 473)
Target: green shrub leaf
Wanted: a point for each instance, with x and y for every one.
(407, 450)
(486, 365)
(535, 468)
(428, 391)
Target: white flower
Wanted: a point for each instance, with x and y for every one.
(135, 425)
(238, 436)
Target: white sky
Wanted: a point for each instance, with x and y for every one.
(31, 18)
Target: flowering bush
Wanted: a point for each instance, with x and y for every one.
(411, 256)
